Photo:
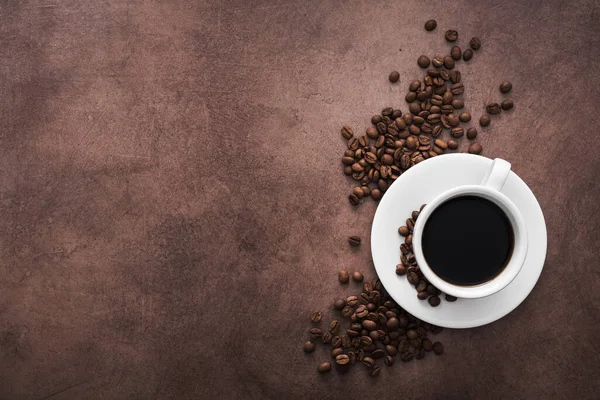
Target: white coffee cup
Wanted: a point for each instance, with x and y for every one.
(489, 189)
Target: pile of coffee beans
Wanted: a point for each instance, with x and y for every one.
(396, 141)
(371, 327)
(408, 265)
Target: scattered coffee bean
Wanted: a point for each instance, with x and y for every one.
(430, 25)
(471, 133)
(427, 345)
(475, 43)
(484, 120)
(407, 356)
(400, 270)
(342, 359)
(438, 348)
(337, 350)
(327, 337)
(437, 62)
(434, 301)
(347, 311)
(423, 61)
(394, 76)
(316, 333)
(457, 104)
(475, 148)
(343, 276)
(451, 35)
(354, 200)
(505, 87)
(507, 105)
(324, 367)
(450, 298)
(403, 231)
(315, 317)
(464, 117)
(354, 240)
(309, 347)
(493, 108)
(357, 276)
(448, 62)
(375, 371)
(339, 304)
(467, 54)
(456, 53)
(389, 361)
(334, 326)
(375, 194)
(347, 132)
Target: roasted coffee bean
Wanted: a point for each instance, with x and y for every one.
(336, 351)
(400, 124)
(352, 301)
(347, 311)
(396, 114)
(382, 185)
(475, 148)
(447, 98)
(334, 326)
(339, 304)
(457, 132)
(343, 275)
(422, 295)
(455, 76)
(316, 317)
(391, 350)
(427, 345)
(355, 240)
(353, 144)
(464, 117)
(346, 341)
(507, 105)
(372, 133)
(421, 286)
(400, 270)
(375, 119)
(445, 75)
(413, 278)
(379, 353)
(366, 341)
(362, 312)
(435, 132)
(410, 97)
(423, 61)
(457, 88)
(458, 104)
(353, 200)
(309, 347)
(347, 132)
(403, 231)
(450, 298)
(448, 62)
(327, 337)
(433, 72)
(412, 334)
(389, 360)
(471, 133)
(336, 341)
(428, 80)
(430, 25)
(505, 87)
(357, 276)
(438, 348)
(441, 143)
(404, 248)
(375, 371)
(456, 53)
(394, 76)
(493, 108)
(368, 361)
(415, 107)
(430, 289)
(451, 35)
(434, 301)
(347, 160)
(410, 224)
(381, 128)
(386, 112)
(376, 194)
(475, 43)
(369, 325)
(414, 86)
(407, 356)
(418, 120)
(484, 120)
(316, 333)
(453, 120)
(467, 54)
(437, 62)
(324, 367)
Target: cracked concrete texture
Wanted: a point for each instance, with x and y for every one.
(173, 207)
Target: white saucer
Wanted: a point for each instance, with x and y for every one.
(421, 184)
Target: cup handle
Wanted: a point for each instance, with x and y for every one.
(497, 174)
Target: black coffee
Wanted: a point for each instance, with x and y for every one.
(467, 240)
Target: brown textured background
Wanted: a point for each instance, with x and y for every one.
(172, 205)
